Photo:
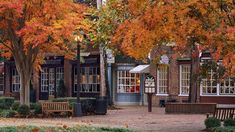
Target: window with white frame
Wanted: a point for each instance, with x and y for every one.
(90, 79)
(162, 80)
(44, 80)
(227, 87)
(209, 84)
(15, 81)
(59, 75)
(184, 79)
(1, 83)
(128, 82)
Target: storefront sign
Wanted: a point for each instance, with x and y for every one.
(149, 84)
(110, 57)
(164, 59)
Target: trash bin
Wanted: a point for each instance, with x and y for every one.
(162, 103)
(101, 105)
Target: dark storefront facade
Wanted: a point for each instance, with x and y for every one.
(47, 81)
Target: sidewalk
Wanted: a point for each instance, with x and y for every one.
(135, 117)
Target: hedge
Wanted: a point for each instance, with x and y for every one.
(223, 129)
(6, 102)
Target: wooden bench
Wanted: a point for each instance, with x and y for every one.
(223, 113)
(51, 107)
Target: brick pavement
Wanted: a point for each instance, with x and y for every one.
(135, 117)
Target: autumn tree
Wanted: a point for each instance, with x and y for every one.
(29, 29)
(191, 24)
(108, 16)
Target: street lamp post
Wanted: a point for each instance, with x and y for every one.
(77, 105)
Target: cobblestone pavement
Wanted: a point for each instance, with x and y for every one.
(135, 117)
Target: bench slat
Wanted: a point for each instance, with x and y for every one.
(56, 107)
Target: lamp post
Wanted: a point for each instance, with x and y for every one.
(77, 105)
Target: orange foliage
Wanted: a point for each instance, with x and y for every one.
(209, 23)
(36, 27)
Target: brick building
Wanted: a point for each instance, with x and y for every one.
(173, 80)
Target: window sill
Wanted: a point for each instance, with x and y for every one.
(183, 95)
(161, 94)
(218, 95)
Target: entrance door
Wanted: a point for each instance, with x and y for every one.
(47, 83)
(50, 78)
(51, 82)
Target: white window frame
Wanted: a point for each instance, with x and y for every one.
(211, 81)
(15, 84)
(44, 80)
(228, 87)
(59, 75)
(124, 82)
(181, 79)
(2, 84)
(165, 79)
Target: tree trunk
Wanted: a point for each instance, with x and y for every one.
(25, 77)
(194, 72)
(103, 88)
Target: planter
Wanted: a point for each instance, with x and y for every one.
(101, 105)
(190, 108)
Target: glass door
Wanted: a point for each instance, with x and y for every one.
(51, 81)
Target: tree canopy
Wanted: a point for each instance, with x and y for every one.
(152, 23)
(30, 29)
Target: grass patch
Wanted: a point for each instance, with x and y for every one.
(61, 129)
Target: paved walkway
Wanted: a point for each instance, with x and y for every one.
(129, 117)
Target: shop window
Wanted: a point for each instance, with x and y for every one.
(227, 87)
(90, 79)
(1, 83)
(162, 80)
(209, 84)
(15, 81)
(59, 76)
(184, 79)
(128, 82)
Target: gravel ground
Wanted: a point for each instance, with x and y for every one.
(135, 117)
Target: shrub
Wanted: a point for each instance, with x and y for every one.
(229, 122)
(15, 105)
(212, 122)
(6, 102)
(7, 113)
(88, 106)
(24, 110)
(36, 107)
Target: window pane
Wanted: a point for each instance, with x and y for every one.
(162, 79)
(127, 82)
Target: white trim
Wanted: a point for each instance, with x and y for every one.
(218, 95)
(183, 95)
(162, 94)
(180, 79)
(127, 103)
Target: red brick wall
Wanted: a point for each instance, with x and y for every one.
(219, 100)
